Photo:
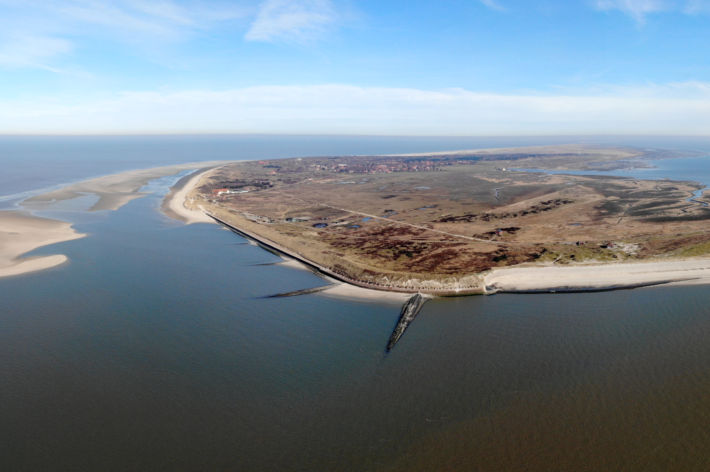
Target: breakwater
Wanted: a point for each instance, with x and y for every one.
(410, 310)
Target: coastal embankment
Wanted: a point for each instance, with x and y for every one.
(317, 268)
(537, 278)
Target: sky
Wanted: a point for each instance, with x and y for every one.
(456, 67)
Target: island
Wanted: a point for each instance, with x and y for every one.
(458, 223)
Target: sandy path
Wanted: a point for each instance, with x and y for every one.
(598, 277)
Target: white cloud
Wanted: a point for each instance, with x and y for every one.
(694, 7)
(292, 20)
(32, 51)
(164, 19)
(637, 9)
(679, 108)
(58, 26)
(493, 5)
(640, 9)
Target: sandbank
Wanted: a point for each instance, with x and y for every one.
(113, 190)
(21, 233)
(598, 277)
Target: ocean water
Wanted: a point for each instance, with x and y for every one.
(156, 349)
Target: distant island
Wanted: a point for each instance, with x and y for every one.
(464, 222)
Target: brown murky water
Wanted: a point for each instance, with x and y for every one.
(155, 350)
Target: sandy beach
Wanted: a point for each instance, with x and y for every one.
(177, 204)
(598, 277)
(353, 292)
(22, 233)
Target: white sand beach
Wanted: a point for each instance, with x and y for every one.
(21, 233)
(353, 292)
(177, 203)
(598, 277)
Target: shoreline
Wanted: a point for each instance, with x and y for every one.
(518, 279)
(324, 271)
(599, 277)
(174, 203)
(533, 278)
(113, 190)
(514, 279)
(23, 232)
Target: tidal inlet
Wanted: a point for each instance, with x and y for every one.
(322, 235)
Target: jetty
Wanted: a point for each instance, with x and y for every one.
(410, 310)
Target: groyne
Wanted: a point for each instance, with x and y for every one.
(410, 310)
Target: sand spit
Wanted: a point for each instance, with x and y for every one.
(178, 203)
(114, 190)
(21, 233)
(597, 277)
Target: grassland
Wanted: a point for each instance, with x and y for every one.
(437, 222)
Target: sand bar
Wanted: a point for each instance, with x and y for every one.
(21, 233)
(598, 277)
(114, 190)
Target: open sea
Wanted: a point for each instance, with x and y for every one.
(156, 349)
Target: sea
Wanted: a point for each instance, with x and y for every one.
(157, 347)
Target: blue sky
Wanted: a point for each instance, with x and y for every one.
(459, 67)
